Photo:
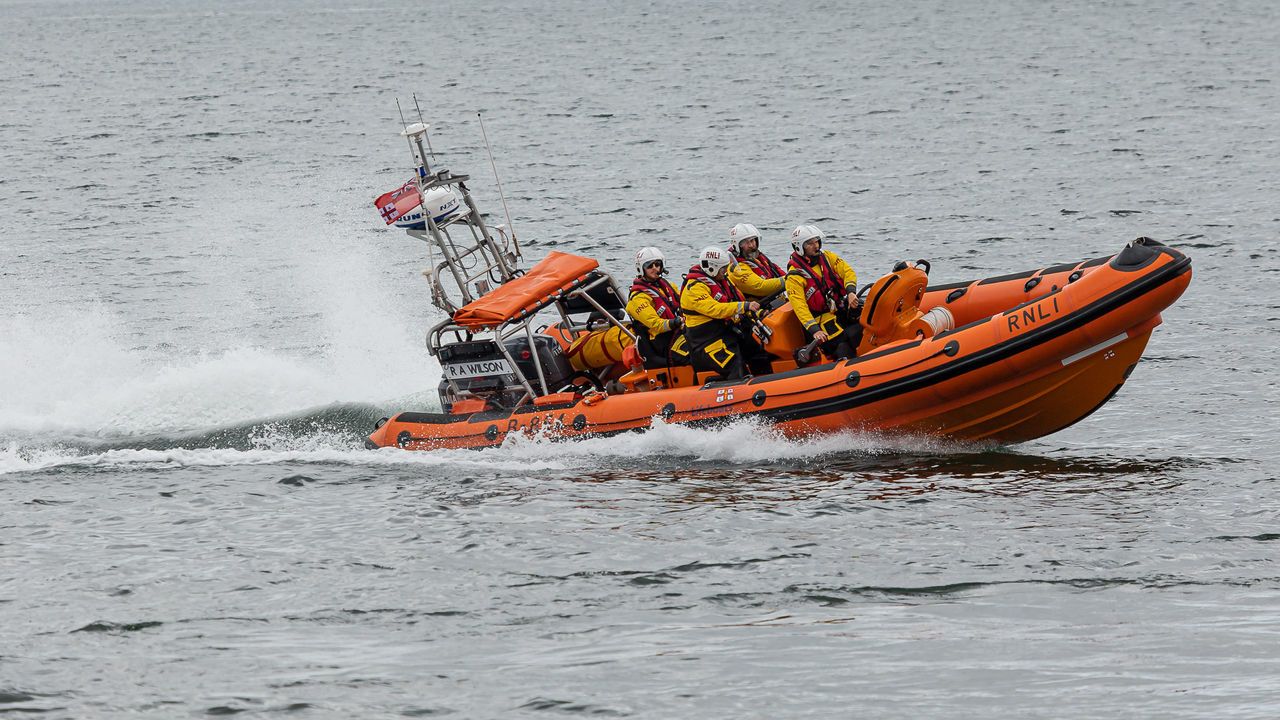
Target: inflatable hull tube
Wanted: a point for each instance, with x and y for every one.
(1031, 354)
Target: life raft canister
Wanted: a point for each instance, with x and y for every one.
(598, 348)
(891, 309)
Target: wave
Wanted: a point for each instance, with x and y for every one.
(739, 455)
(77, 394)
(742, 442)
(14, 460)
(335, 435)
(72, 374)
(75, 390)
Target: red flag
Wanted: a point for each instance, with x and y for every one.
(396, 203)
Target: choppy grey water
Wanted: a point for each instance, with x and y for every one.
(201, 316)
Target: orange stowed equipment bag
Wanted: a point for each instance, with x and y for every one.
(891, 309)
(598, 348)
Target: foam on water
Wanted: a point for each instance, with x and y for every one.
(71, 372)
(742, 443)
(16, 460)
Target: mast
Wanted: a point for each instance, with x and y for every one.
(462, 268)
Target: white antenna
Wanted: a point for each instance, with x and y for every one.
(404, 124)
(501, 196)
(415, 134)
(424, 124)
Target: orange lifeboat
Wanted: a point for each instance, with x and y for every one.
(1004, 359)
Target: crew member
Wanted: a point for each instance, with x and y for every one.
(715, 314)
(654, 307)
(752, 273)
(822, 288)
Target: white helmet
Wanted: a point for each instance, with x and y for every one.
(712, 260)
(740, 232)
(804, 234)
(441, 205)
(646, 255)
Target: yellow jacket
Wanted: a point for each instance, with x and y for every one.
(796, 285)
(700, 307)
(640, 308)
(751, 284)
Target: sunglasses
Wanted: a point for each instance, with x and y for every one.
(653, 263)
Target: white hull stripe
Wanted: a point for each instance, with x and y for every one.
(1089, 351)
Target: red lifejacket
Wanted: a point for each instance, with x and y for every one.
(721, 291)
(665, 300)
(762, 266)
(819, 289)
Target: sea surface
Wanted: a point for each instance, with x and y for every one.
(202, 315)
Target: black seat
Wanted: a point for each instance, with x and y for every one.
(602, 294)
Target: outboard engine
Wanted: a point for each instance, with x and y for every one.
(478, 369)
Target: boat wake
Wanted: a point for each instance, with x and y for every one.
(335, 436)
(741, 442)
(76, 396)
(74, 391)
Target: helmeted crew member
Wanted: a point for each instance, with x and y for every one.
(654, 307)
(714, 312)
(822, 288)
(752, 273)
